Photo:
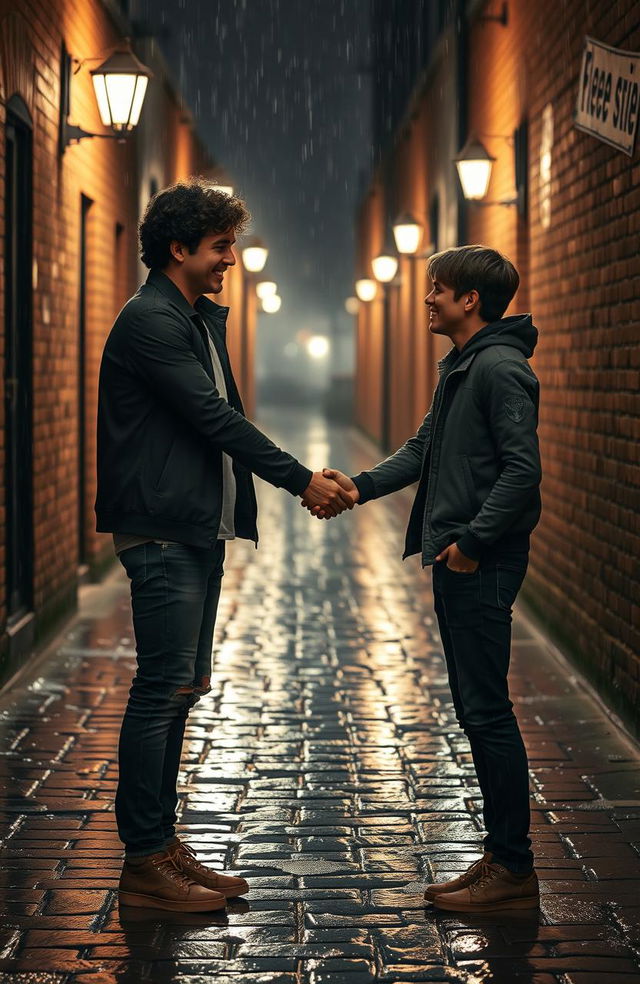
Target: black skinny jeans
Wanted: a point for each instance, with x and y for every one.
(174, 597)
(474, 616)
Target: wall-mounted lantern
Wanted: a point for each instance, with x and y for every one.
(254, 255)
(272, 303)
(407, 232)
(120, 85)
(384, 267)
(366, 289)
(266, 288)
(352, 305)
(474, 164)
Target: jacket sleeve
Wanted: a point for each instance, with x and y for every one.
(159, 350)
(511, 394)
(399, 470)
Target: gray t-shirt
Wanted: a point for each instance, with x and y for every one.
(226, 531)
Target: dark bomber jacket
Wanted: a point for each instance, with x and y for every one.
(162, 425)
(476, 452)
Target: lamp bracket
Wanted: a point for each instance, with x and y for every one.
(501, 18)
(72, 134)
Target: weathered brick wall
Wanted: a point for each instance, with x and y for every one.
(102, 171)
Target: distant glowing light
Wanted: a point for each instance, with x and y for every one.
(384, 267)
(272, 303)
(366, 289)
(225, 189)
(352, 305)
(318, 346)
(266, 288)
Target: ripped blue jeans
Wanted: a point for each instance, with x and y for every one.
(175, 591)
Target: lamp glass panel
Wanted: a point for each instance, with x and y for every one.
(138, 99)
(120, 92)
(384, 268)
(254, 258)
(366, 289)
(474, 177)
(407, 236)
(100, 90)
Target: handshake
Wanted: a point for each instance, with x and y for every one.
(329, 493)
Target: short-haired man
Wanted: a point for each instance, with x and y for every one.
(477, 461)
(175, 457)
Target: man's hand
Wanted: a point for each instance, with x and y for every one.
(457, 561)
(324, 495)
(345, 483)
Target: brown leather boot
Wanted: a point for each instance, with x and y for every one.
(156, 883)
(461, 881)
(184, 858)
(495, 888)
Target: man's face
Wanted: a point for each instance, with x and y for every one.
(205, 269)
(446, 314)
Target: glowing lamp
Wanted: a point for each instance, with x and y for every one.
(254, 256)
(352, 305)
(272, 303)
(266, 288)
(366, 289)
(318, 346)
(474, 165)
(120, 85)
(407, 233)
(384, 267)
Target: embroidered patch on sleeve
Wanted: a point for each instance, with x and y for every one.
(515, 408)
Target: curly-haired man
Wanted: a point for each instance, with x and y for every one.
(175, 457)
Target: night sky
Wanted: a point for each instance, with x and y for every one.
(280, 93)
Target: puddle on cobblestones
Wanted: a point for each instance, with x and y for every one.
(301, 866)
(414, 888)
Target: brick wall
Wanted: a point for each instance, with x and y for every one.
(103, 172)
(581, 280)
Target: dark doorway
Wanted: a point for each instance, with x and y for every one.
(18, 364)
(85, 205)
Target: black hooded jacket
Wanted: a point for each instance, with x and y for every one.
(476, 452)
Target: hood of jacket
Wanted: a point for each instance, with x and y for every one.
(517, 330)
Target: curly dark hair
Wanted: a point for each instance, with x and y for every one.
(187, 211)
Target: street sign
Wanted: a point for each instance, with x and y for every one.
(609, 94)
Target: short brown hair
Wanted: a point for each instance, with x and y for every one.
(477, 268)
(187, 211)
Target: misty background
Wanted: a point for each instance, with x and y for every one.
(281, 94)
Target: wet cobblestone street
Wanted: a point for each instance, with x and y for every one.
(327, 768)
